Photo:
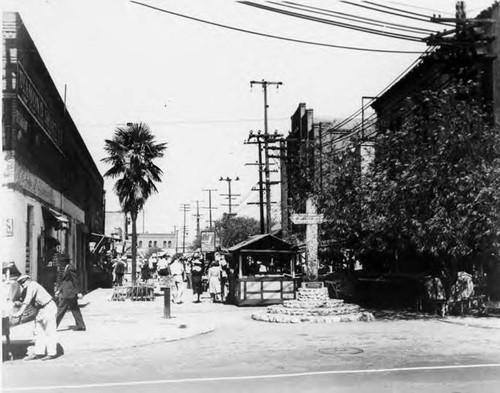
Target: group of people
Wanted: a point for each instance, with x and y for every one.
(188, 273)
(49, 314)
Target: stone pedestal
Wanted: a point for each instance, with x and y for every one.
(313, 306)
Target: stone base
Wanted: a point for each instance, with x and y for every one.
(283, 318)
(314, 306)
(313, 303)
(318, 311)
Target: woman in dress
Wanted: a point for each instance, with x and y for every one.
(196, 278)
(214, 281)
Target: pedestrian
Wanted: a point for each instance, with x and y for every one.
(188, 266)
(214, 281)
(68, 295)
(145, 273)
(197, 278)
(163, 268)
(224, 268)
(45, 320)
(119, 270)
(178, 274)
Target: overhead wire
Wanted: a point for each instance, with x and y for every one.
(395, 80)
(361, 49)
(395, 9)
(394, 13)
(334, 23)
(324, 11)
(420, 8)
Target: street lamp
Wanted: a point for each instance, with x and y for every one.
(229, 195)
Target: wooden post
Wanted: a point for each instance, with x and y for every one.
(166, 302)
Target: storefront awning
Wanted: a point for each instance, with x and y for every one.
(103, 239)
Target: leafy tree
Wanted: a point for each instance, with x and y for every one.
(434, 186)
(131, 153)
(233, 230)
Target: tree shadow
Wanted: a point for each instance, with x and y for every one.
(402, 315)
(18, 349)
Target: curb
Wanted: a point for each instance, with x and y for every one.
(473, 325)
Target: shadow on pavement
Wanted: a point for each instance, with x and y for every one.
(401, 315)
(18, 349)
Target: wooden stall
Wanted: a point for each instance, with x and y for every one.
(263, 271)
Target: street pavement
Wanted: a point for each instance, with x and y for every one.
(146, 353)
(112, 325)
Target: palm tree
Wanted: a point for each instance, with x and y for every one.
(131, 153)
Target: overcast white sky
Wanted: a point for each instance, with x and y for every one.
(189, 81)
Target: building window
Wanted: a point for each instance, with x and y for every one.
(169, 244)
(150, 244)
(155, 243)
(140, 243)
(164, 244)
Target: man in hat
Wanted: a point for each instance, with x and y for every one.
(45, 319)
(68, 295)
(119, 268)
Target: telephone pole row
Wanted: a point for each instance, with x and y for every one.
(264, 85)
(185, 207)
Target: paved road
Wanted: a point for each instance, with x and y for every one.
(243, 355)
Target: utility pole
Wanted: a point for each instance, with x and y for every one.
(229, 195)
(210, 208)
(264, 85)
(185, 207)
(197, 215)
(266, 140)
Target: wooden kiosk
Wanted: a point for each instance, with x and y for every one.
(264, 271)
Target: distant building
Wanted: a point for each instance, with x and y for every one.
(166, 242)
(52, 189)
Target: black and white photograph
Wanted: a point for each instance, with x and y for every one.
(250, 196)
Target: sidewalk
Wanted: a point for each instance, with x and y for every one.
(115, 325)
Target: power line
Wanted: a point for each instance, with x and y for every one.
(201, 121)
(420, 8)
(392, 13)
(352, 17)
(356, 113)
(333, 23)
(275, 36)
(396, 9)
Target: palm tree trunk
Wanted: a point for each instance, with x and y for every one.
(134, 246)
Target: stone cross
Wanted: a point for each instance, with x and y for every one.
(311, 219)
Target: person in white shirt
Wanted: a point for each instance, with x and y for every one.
(45, 320)
(178, 274)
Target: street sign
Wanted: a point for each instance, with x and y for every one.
(207, 241)
(306, 218)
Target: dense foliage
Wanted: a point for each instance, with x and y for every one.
(432, 191)
(232, 230)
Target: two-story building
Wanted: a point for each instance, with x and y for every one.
(52, 190)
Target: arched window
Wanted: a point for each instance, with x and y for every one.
(155, 243)
(164, 243)
(169, 244)
(140, 243)
(150, 244)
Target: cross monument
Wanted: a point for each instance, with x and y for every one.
(311, 219)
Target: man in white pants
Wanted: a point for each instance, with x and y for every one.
(177, 271)
(45, 320)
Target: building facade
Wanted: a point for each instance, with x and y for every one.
(51, 185)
